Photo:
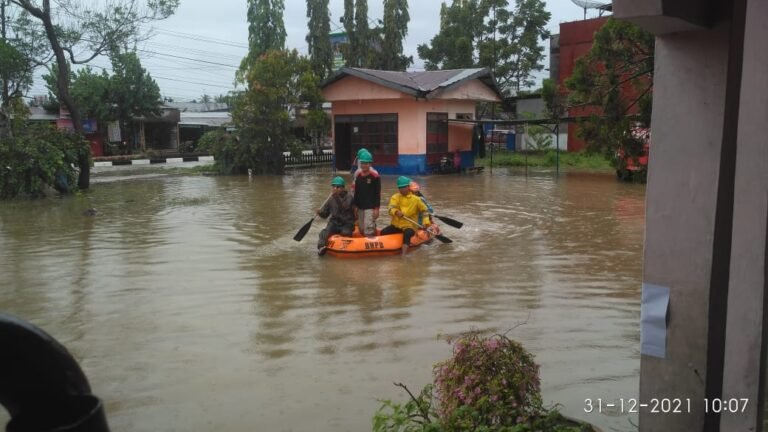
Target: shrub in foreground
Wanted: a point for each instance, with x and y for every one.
(490, 383)
(38, 158)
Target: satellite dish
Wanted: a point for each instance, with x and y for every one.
(591, 4)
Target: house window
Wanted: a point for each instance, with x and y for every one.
(464, 116)
(437, 133)
(375, 132)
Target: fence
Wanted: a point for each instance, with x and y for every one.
(308, 159)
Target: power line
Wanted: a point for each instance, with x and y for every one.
(201, 38)
(187, 58)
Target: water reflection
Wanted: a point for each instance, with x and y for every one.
(191, 307)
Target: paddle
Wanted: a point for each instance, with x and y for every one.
(440, 237)
(449, 221)
(303, 231)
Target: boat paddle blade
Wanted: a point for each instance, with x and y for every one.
(303, 231)
(443, 238)
(448, 221)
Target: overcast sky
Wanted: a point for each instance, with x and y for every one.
(198, 49)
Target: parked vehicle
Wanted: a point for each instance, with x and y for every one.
(497, 138)
(630, 167)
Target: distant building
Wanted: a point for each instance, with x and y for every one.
(574, 41)
(408, 120)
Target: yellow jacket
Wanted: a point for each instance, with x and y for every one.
(411, 206)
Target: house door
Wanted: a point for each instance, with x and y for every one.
(342, 146)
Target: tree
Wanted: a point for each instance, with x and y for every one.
(553, 99)
(20, 50)
(266, 30)
(279, 83)
(348, 21)
(486, 33)
(616, 79)
(318, 39)
(360, 41)
(514, 50)
(132, 91)
(16, 77)
(461, 26)
(394, 29)
(91, 92)
(128, 93)
(78, 28)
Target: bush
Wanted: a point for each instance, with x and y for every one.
(38, 158)
(230, 156)
(491, 383)
(488, 381)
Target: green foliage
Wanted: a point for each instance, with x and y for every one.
(91, 92)
(553, 99)
(88, 31)
(15, 69)
(266, 31)
(318, 39)
(360, 41)
(461, 26)
(318, 125)
(132, 91)
(278, 82)
(38, 158)
(579, 161)
(491, 383)
(488, 381)
(617, 77)
(487, 33)
(524, 53)
(227, 150)
(394, 29)
(348, 21)
(539, 138)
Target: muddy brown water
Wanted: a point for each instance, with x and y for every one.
(190, 307)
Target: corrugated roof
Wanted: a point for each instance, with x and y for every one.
(424, 84)
(215, 119)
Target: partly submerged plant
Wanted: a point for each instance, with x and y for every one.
(490, 383)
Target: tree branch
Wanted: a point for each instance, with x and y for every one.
(647, 88)
(424, 413)
(29, 7)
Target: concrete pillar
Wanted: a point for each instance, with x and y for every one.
(682, 215)
(745, 331)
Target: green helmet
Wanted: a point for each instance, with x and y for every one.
(364, 156)
(337, 181)
(403, 181)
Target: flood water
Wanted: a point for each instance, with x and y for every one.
(190, 307)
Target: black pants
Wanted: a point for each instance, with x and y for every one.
(331, 229)
(407, 233)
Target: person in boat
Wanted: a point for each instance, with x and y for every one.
(366, 185)
(404, 204)
(341, 211)
(356, 169)
(416, 190)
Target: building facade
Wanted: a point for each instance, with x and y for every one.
(410, 121)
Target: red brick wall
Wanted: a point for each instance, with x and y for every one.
(576, 41)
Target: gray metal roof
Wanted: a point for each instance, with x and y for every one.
(423, 84)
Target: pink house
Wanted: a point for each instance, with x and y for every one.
(408, 120)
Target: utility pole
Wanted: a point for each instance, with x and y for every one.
(493, 74)
(2, 34)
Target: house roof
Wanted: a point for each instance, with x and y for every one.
(213, 119)
(423, 84)
(198, 106)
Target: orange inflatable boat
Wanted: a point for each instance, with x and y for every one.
(359, 246)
